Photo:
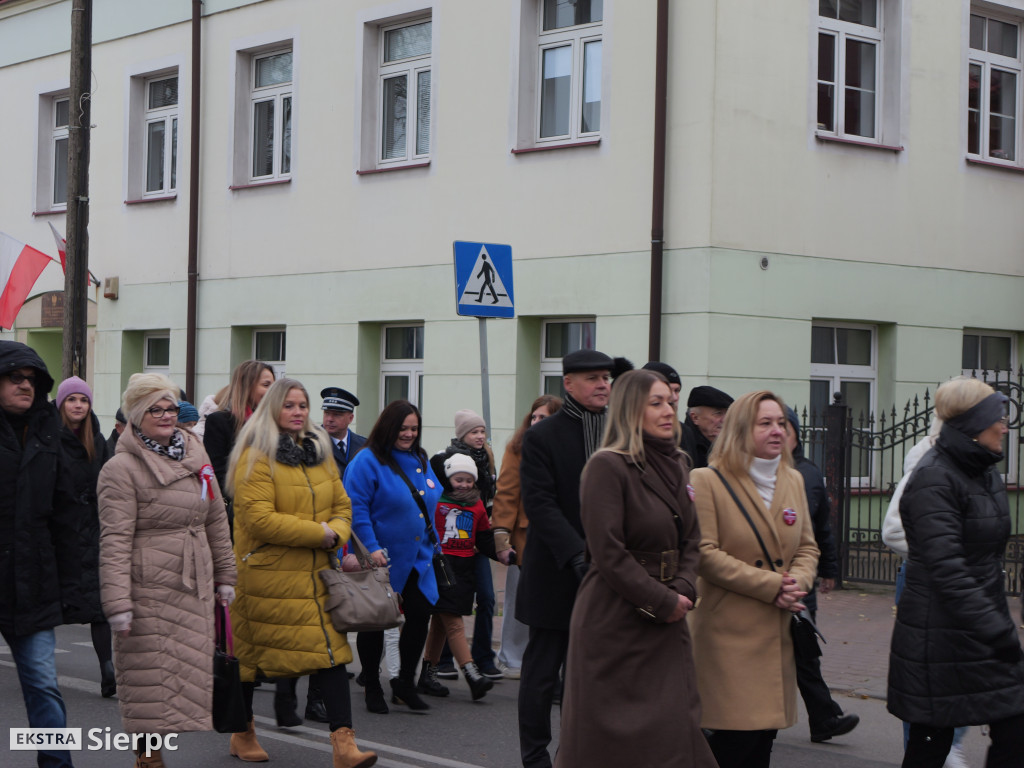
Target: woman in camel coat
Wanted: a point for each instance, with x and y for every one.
(164, 551)
(743, 647)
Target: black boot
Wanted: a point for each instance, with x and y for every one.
(285, 704)
(374, 696)
(316, 710)
(478, 684)
(428, 683)
(108, 685)
(404, 692)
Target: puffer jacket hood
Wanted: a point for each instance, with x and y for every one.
(15, 355)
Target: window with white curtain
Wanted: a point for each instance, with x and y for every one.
(994, 75)
(59, 117)
(270, 137)
(404, 79)
(558, 339)
(161, 135)
(569, 59)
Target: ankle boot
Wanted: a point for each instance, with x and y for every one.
(153, 761)
(404, 692)
(375, 701)
(108, 684)
(245, 747)
(346, 753)
(429, 683)
(478, 684)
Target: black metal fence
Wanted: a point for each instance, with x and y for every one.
(862, 457)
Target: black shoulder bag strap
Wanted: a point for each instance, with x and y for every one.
(431, 533)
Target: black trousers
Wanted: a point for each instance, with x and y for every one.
(333, 685)
(742, 749)
(542, 661)
(929, 747)
(417, 609)
(819, 702)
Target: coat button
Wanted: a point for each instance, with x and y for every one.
(421, 515)
(778, 563)
(423, 493)
(417, 538)
(418, 470)
(758, 563)
(643, 562)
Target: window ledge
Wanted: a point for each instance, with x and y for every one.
(990, 164)
(256, 184)
(55, 212)
(391, 168)
(546, 147)
(162, 198)
(869, 144)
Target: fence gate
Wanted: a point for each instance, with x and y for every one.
(862, 457)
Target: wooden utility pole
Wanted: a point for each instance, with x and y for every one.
(76, 275)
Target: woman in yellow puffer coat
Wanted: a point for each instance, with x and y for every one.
(291, 516)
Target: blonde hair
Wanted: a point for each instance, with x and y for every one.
(143, 392)
(959, 395)
(262, 433)
(624, 433)
(733, 450)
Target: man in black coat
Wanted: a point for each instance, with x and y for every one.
(339, 409)
(554, 453)
(705, 412)
(824, 715)
(39, 550)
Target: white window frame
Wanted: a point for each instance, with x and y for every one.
(410, 368)
(279, 366)
(1010, 460)
(551, 367)
(842, 31)
(48, 137)
(989, 62)
(150, 336)
(576, 38)
(169, 116)
(992, 334)
(278, 94)
(411, 68)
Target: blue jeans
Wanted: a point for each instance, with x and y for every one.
(37, 672)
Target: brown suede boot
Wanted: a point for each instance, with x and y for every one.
(153, 761)
(245, 747)
(346, 753)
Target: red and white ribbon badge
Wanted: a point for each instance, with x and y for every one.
(690, 492)
(789, 516)
(206, 477)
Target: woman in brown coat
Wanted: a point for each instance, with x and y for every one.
(630, 686)
(742, 644)
(164, 553)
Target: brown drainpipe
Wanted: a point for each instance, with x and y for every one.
(193, 205)
(658, 202)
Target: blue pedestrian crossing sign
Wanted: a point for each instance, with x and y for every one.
(483, 280)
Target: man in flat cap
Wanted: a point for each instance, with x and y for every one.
(705, 412)
(339, 410)
(554, 452)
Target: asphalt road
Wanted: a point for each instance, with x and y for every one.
(456, 733)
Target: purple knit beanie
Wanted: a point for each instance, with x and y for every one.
(72, 386)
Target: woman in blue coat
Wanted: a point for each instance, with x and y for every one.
(390, 522)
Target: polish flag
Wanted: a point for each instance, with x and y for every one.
(62, 250)
(20, 267)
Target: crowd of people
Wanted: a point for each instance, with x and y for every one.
(667, 565)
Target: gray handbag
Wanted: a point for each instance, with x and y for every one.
(361, 601)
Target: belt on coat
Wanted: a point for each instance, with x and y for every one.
(191, 578)
(661, 565)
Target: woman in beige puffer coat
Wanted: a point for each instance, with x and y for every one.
(165, 550)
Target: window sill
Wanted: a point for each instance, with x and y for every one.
(392, 168)
(255, 184)
(546, 147)
(54, 212)
(990, 164)
(161, 199)
(870, 145)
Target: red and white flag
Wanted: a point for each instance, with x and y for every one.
(62, 250)
(20, 267)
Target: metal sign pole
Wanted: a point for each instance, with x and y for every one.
(485, 385)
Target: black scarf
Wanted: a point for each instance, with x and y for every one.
(593, 423)
(293, 454)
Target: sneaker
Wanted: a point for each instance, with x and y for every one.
(447, 671)
(509, 673)
(488, 669)
(955, 758)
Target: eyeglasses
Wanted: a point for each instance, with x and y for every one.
(157, 412)
(17, 378)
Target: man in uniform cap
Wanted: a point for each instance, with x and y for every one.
(705, 412)
(339, 410)
(554, 452)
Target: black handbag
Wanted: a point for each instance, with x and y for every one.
(228, 701)
(803, 629)
(442, 570)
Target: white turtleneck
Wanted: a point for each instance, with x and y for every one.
(763, 473)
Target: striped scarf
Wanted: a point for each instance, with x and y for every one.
(593, 423)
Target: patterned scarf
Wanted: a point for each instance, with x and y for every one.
(593, 423)
(292, 454)
(175, 451)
